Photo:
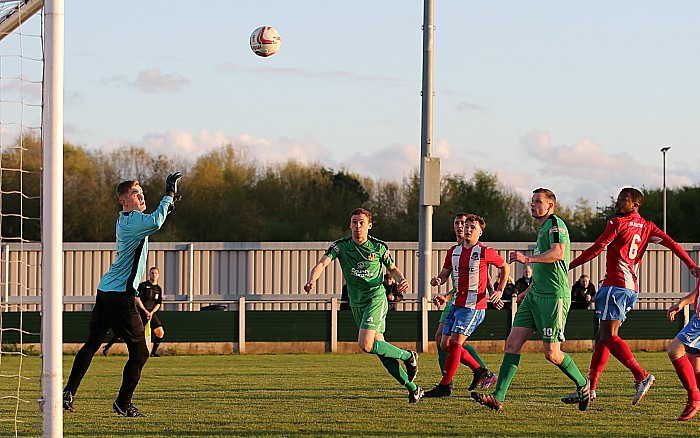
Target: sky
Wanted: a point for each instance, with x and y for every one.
(578, 97)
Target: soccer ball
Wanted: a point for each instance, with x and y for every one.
(265, 41)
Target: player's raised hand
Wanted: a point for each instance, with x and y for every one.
(435, 281)
(695, 270)
(171, 185)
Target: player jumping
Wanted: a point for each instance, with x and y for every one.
(626, 238)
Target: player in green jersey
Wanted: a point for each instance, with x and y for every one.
(361, 258)
(544, 305)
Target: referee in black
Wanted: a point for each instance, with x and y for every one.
(115, 306)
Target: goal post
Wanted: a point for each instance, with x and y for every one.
(52, 220)
(13, 15)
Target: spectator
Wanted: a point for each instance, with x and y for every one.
(392, 291)
(583, 291)
(524, 281)
(509, 288)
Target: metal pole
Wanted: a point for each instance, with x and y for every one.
(52, 221)
(190, 279)
(663, 151)
(425, 217)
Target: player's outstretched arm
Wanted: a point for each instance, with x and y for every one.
(598, 246)
(316, 272)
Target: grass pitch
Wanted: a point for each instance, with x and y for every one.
(345, 395)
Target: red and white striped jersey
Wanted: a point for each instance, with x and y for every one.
(469, 268)
(627, 238)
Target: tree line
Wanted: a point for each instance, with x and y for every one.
(228, 197)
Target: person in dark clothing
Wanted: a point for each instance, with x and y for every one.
(115, 307)
(392, 291)
(148, 302)
(522, 283)
(583, 291)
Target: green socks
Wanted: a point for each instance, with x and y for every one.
(383, 348)
(397, 372)
(474, 354)
(568, 367)
(442, 356)
(390, 356)
(508, 369)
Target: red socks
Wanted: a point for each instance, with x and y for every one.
(456, 355)
(601, 353)
(686, 375)
(622, 352)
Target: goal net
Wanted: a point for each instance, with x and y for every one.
(31, 185)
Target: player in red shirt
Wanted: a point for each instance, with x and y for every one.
(468, 263)
(626, 238)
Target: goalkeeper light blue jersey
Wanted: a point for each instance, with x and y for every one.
(133, 229)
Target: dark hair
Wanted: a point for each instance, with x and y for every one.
(362, 211)
(460, 214)
(124, 187)
(478, 219)
(634, 194)
(154, 268)
(547, 193)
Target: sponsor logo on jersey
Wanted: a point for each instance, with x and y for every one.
(636, 224)
(360, 271)
(556, 229)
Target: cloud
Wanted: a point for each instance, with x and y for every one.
(465, 106)
(28, 90)
(182, 143)
(586, 169)
(334, 75)
(154, 80)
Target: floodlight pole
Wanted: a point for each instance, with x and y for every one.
(429, 167)
(663, 151)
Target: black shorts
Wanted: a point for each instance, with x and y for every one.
(155, 322)
(117, 311)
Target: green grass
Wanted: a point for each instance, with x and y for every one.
(346, 395)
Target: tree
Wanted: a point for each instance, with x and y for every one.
(217, 203)
(21, 190)
(506, 214)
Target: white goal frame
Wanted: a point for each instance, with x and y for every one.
(51, 204)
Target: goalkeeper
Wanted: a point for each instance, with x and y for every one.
(115, 306)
